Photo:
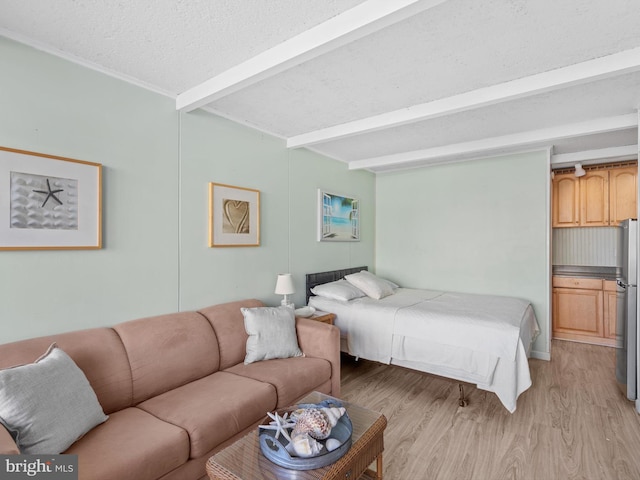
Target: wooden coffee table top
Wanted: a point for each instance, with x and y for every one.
(243, 460)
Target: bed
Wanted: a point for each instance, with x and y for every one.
(480, 339)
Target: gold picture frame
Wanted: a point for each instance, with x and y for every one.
(234, 216)
(52, 203)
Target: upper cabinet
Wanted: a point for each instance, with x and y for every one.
(600, 198)
(594, 199)
(623, 188)
(566, 200)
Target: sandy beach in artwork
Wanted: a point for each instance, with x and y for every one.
(340, 229)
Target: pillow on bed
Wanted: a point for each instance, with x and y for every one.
(372, 285)
(338, 290)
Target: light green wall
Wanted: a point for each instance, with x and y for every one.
(220, 151)
(51, 106)
(480, 227)
(157, 164)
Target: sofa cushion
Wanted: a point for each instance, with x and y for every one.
(272, 333)
(213, 408)
(228, 323)
(131, 445)
(168, 351)
(49, 404)
(292, 377)
(98, 352)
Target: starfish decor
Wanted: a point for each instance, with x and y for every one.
(50, 194)
(280, 424)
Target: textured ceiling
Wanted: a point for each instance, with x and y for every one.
(442, 49)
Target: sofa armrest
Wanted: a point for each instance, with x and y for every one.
(321, 340)
(7, 445)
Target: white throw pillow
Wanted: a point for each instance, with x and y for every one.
(338, 290)
(272, 333)
(373, 286)
(48, 405)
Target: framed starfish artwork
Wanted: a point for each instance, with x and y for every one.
(234, 216)
(52, 203)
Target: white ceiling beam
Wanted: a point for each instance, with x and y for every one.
(501, 143)
(625, 152)
(589, 71)
(353, 24)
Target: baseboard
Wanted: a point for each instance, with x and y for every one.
(541, 355)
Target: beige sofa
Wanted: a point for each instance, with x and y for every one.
(176, 388)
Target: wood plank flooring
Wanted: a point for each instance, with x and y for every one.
(573, 423)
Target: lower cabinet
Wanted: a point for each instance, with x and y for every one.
(610, 305)
(584, 310)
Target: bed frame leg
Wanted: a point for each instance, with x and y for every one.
(462, 401)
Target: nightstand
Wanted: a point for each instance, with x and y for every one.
(324, 317)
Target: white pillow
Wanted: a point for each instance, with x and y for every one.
(48, 405)
(373, 286)
(338, 290)
(272, 333)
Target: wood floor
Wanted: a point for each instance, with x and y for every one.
(573, 423)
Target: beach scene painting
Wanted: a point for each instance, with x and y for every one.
(338, 217)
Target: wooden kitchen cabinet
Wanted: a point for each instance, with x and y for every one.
(610, 308)
(600, 198)
(594, 199)
(623, 197)
(566, 200)
(579, 310)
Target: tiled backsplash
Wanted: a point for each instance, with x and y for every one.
(595, 246)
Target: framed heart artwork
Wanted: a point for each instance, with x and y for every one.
(234, 216)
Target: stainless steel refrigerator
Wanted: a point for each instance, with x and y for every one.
(627, 316)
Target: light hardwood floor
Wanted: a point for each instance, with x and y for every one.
(573, 423)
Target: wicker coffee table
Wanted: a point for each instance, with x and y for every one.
(243, 459)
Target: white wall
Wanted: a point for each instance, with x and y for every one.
(479, 227)
(157, 164)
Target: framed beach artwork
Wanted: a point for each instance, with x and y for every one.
(338, 217)
(49, 203)
(234, 216)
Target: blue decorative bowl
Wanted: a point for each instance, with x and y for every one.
(275, 449)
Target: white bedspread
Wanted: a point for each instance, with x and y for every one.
(481, 339)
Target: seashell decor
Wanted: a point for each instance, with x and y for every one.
(304, 445)
(309, 425)
(317, 422)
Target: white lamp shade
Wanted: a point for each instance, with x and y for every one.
(284, 284)
(580, 171)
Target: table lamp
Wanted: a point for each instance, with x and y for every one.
(284, 286)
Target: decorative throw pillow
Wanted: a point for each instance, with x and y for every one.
(272, 333)
(338, 290)
(49, 404)
(370, 284)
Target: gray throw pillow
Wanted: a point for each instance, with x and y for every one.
(272, 333)
(49, 404)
